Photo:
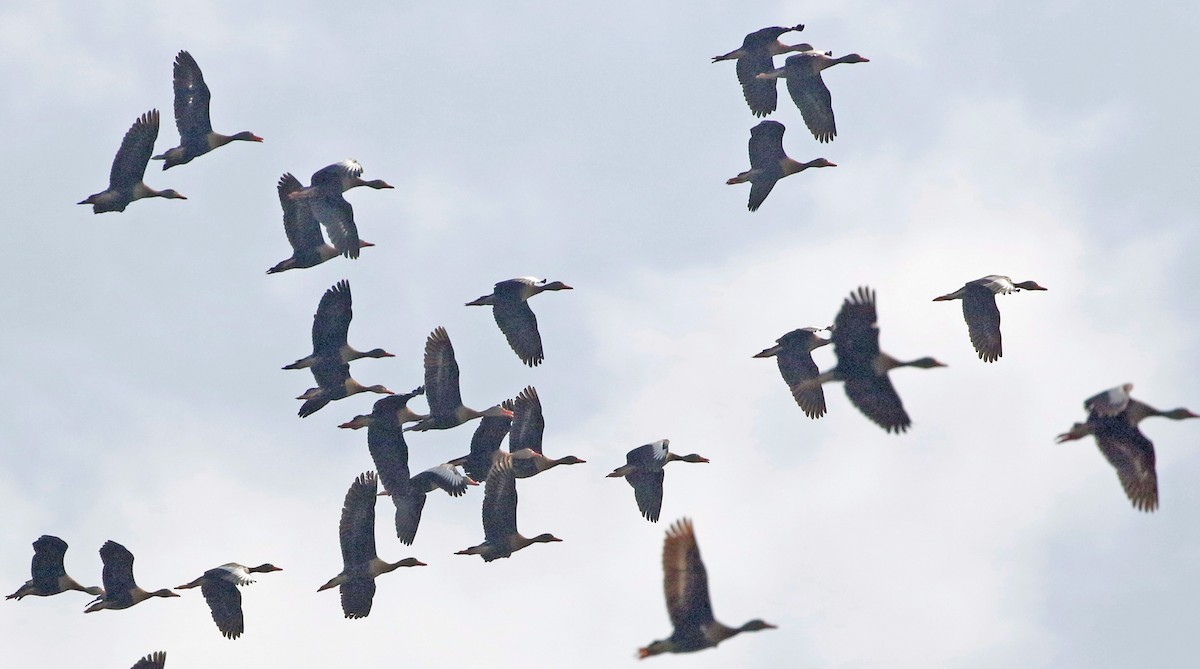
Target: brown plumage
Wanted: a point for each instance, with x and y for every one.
(980, 311)
(331, 328)
(333, 383)
(49, 575)
(446, 409)
(755, 57)
(685, 583)
(219, 586)
(525, 437)
(643, 470)
(793, 355)
(808, 91)
(500, 536)
(1113, 418)
(192, 98)
(510, 307)
(769, 163)
(120, 590)
(129, 168)
(309, 248)
(325, 201)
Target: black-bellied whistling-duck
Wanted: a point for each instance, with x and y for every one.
(500, 536)
(979, 310)
(219, 586)
(769, 163)
(196, 136)
(446, 409)
(808, 91)
(333, 383)
(510, 308)
(484, 444)
(324, 198)
(360, 562)
(643, 469)
(1113, 418)
(385, 440)
(525, 437)
(330, 329)
(793, 355)
(309, 248)
(120, 590)
(129, 168)
(863, 367)
(756, 57)
(152, 661)
(685, 583)
(49, 574)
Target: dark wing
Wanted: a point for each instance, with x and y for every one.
(796, 366)
(877, 399)
(685, 581)
(409, 503)
(336, 214)
(811, 96)
(500, 501)
(527, 422)
(331, 323)
(759, 190)
(191, 100)
(983, 321)
(519, 325)
(303, 231)
(760, 94)
(766, 146)
(47, 567)
(118, 568)
(331, 376)
(485, 442)
(856, 335)
(129, 167)
(385, 440)
(152, 661)
(357, 528)
(441, 374)
(648, 491)
(650, 455)
(1132, 455)
(225, 602)
(357, 595)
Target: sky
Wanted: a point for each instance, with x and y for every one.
(144, 403)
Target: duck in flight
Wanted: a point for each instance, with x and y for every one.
(192, 98)
(129, 168)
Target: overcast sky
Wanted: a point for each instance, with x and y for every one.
(144, 403)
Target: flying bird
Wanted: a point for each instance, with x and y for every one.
(330, 330)
(643, 469)
(756, 57)
(360, 562)
(1113, 418)
(525, 437)
(685, 583)
(120, 590)
(793, 354)
(808, 91)
(484, 444)
(152, 661)
(510, 307)
(49, 575)
(325, 201)
(333, 383)
(863, 367)
(309, 247)
(446, 409)
(129, 168)
(500, 536)
(196, 136)
(979, 310)
(219, 586)
(769, 163)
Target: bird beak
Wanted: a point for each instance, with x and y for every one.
(356, 422)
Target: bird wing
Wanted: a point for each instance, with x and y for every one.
(1111, 402)
(47, 566)
(129, 166)
(648, 491)
(118, 568)
(796, 366)
(759, 190)
(385, 441)
(685, 580)
(445, 476)
(811, 96)
(302, 230)
(191, 100)
(527, 423)
(761, 94)
(335, 213)
(519, 325)
(441, 374)
(1132, 455)
(357, 528)
(357, 595)
(766, 145)
(409, 502)
(856, 334)
(877, 399)
(983, 321)
(331, 323)
(152, 661)
(500, 501)
(225, 602)
(485, 442)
